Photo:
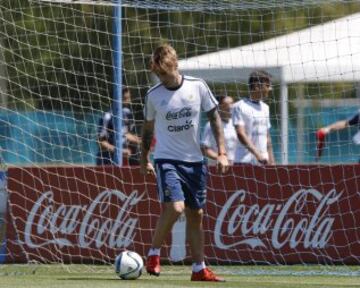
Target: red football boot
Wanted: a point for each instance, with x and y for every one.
(205, 275)
(153, 265)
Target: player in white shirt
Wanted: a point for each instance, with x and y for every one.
(251, 119)
(172, 109)
(208, 142)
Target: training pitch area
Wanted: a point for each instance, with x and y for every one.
(88, 276)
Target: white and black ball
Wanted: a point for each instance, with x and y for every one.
(129, 265)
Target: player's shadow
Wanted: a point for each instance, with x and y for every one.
(96, 279)
(87, 278)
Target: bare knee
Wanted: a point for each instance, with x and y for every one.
(179, 207)
(175, 208)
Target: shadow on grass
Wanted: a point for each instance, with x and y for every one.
(100, 279)
(90, 279)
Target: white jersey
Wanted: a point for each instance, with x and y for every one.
(177, 118)
(255, 117)
(231, 140)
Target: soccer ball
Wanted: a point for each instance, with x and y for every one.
(129, 265)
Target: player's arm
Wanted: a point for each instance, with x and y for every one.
(246, 141)
(208, 152)
(207, 144)
(147, 136)
(218, 132)
(270, 150)
(132, 138)
(105, 145)
(339, 125)
(342, 124)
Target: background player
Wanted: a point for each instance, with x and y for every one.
(251, 118)
(208, 143)
(106, 136)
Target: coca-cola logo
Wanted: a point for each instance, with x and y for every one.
(90, 224)
(289, 223)
(182, 113)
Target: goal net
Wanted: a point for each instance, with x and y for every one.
(57, 67)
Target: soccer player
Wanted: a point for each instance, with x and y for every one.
(208, 143)
(252, 122)
(172, 110)
(106, 136)
(337, 126)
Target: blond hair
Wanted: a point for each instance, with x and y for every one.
(163, 59)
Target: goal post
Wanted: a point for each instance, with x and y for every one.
(117, 97)
(64, 63)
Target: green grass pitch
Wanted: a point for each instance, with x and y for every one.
(88, 276)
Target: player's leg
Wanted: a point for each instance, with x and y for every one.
(195, 198)
(172, 198)
(195, 233)
(170, 213)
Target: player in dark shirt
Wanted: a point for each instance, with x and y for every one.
(106, 135)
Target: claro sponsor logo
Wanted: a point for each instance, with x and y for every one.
(178, 128)
(289, 223)
(90, 223)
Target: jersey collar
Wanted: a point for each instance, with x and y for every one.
(253, 101)
(176, 87)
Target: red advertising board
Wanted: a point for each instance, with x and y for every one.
(280, 214)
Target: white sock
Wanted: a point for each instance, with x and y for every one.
(197, 267)
(154, 251)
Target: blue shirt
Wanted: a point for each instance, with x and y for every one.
(354, 120)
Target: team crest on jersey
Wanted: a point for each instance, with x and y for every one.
(167, 191)
(191, 97)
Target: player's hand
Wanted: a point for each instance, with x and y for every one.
(146, 168)
(222, 163)
(323, 131)
(126, 152)
(261, 159)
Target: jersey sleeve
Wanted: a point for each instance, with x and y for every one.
(268, 118)
(149, 109)
(237, 116)
(354, 120)
(128, 121)
(104, 123)
(208, 101)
